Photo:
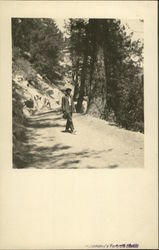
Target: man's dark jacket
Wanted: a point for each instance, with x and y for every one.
(65, 105)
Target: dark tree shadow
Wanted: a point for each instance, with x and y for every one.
(57, 111)
(113, 166)
(57, 156)
(45, 125)
(42, 121)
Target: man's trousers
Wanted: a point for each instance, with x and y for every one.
(69, 123)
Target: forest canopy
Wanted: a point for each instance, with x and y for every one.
(42, 41)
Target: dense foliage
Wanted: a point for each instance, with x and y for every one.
(107, 67)
(41, 42)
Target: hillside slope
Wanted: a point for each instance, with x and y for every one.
(31, 94)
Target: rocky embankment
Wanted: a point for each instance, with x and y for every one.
(31, 94)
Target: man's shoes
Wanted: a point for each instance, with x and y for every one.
(74, 132)
(67, 131)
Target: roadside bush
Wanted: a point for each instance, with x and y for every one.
(130, 111)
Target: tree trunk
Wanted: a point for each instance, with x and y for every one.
(97, 102)
(82, 86)
(76, 89)
(92, 64)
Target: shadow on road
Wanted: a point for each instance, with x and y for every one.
(42, 121)
(56, 156)
(57, 111)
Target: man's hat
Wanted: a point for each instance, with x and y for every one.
(68, 89)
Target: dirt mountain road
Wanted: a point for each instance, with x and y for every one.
(96, 144)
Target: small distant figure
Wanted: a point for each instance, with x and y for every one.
(68, 108)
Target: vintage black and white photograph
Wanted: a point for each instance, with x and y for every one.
(77, 93)
(79, 125)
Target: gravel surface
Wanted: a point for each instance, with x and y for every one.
(97, 144)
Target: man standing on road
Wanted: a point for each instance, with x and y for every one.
(68, 108)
